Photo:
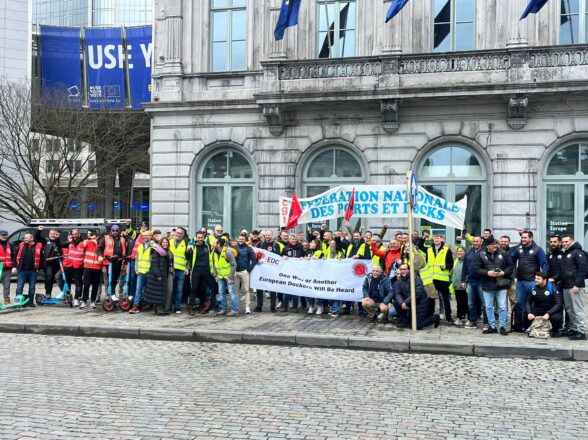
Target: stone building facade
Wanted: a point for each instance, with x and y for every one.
(475, 101)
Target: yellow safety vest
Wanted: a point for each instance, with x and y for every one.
(143, 259)
(327, 255)
(195, 252)
(360, 252)
(375, 258)
(179, 254)
(434, 263)
(222, 265)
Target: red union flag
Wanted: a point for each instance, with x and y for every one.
(295, 213)
(351, 205)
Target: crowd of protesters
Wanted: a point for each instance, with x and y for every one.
(163, 271)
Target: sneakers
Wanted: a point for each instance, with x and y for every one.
(233, 313)
(333, 315)
(489, 330)
(83, 305)
(437, 321)
(92, 305)
(178, 311)
(279, 305)
(578, 337)
(457, 322)
(320, 311)
(247, 310)
(76, 303)
(311, 310)
(486, 326)
(503, 331)
(134, 310)
(113, 297)
(380, 317)
(221, 313)
(470, 325)
(441, 316)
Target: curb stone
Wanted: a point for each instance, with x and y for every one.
(306, 339)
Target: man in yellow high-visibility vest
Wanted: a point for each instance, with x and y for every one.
(223, 269)
(178, 246)
(440, 262)
(142, 268)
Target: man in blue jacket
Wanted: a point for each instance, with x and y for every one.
(470, 280)
(375, 288)
(528, 259)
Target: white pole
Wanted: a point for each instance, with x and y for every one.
(413, 303)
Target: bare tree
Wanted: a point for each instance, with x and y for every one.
(48, 155)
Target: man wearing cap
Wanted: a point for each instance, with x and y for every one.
(8, 260)
(114, 249)
(255, 240)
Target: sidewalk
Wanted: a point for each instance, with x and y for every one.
(290, 328)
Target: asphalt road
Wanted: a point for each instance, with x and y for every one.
(92, 388)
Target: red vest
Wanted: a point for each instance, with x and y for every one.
(138, 241)
(38, 248)
(75, 255)
(5, 256)
(91, 255)
(109, 247)
(66, 261)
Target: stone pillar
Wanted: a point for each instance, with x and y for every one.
(168, 45)
(392, 32)
(518, 34)
(277, 48)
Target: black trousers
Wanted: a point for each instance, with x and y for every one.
(461, 297)
(199, 289)
(74, 278)
(51, 270)
(443, 289)
(91, 278)
(260, 294)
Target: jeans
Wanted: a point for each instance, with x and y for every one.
(474, 291)
(500, 297)
(141, 281)
(179, 278)
(132, 283)
(524, 288)
(335, 306)
(223, 286)
(27, 276)
(286, 301)
(405, 317)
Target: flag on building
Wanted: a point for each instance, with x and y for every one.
(295, 213)
(329, 40)
(533, 7)
(288, 17)
(395, 8)
(351, 205)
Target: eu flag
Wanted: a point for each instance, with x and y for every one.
(288, 17)
(533, 7)
(395, 8)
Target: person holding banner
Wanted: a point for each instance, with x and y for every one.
(335, 254)
(293, 250)
(271, 246)
(358, 249)
(400, 299)
(376, 287)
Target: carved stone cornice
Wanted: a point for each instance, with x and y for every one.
(275, 118)
(389, 110)
(517, 112)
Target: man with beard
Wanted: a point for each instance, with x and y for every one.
(358, 249)
(293, 250)
(506, 247)
(52, 252)
(268, 245)
(74, 271)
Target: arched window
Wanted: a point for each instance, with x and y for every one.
(328, 167)
(565, 183)
(453, 171)
(226, 192)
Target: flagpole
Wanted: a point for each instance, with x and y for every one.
(329, 29)
(413, 303)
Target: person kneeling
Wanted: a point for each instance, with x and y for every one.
(545, 302)
(401, 300)
(375, 288)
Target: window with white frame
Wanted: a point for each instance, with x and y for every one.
(336, 29)
(573, 21)
(453, 25)
(228, 49)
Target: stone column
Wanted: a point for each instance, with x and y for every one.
(392, 32)
(277, 48)
(518, 34)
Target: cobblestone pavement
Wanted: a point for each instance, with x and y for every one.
(63, 388)
(270, 322)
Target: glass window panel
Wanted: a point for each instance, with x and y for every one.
(464, 36)
(238, 55)
(239, 3)
(570, 6)
(216, 167)
(219, 26)
(213, 206)
(219, 57)
(584, 160)
(438, 164)
(560, 209)
(240, 168)
(464, 10)
(323, 25)
(241, 209)
(315, 190)
(221, 3)
(239, 20)
(350, 16)
(322, 165)
(473, 218)
(346, 165)
(464, 163)
(348, 44)
(442, 38)
(569, 29)
(565, 162)
(442, 11)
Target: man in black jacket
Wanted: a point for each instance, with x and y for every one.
(573, 271)
(293, 249)
(545, 302)
(246, 261)
(271, 246)
(198, 257)
(52, 253)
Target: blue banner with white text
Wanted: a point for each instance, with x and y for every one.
(61, 70)
(105, 65)
(140, 55)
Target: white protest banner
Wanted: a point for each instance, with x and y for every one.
(327, 279)
(376, 201)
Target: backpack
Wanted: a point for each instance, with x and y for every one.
(540, 328)
(518, 320)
